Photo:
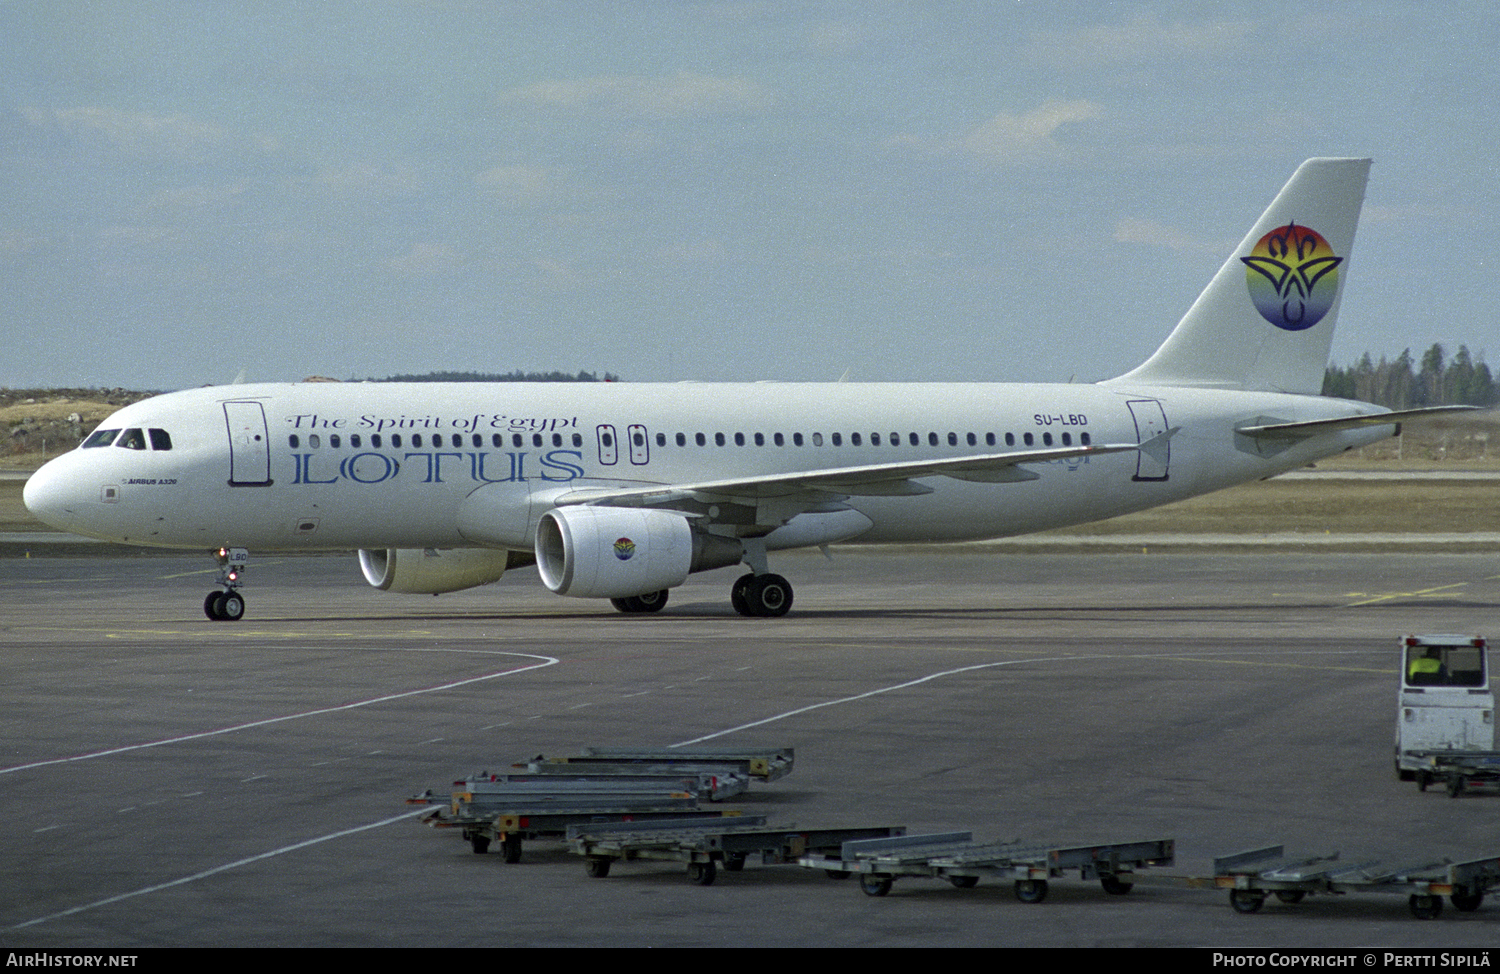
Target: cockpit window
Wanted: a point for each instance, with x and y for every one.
(160, 439)
(133, 439)
(100, 438)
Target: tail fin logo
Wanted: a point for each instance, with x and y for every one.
(1293, 278)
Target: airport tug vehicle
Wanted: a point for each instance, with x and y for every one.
(1445, 719)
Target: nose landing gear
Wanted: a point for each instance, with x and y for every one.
(226, 604)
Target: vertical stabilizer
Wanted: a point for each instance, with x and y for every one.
(1266, 320)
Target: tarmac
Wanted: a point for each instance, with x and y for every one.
(170, 781)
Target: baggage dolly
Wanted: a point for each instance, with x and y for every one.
(706, 844)
(1251, 875)
(764, 763)
(957, 858)
(1458, 771)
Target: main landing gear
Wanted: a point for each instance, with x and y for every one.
(226, 604)
(761, 595)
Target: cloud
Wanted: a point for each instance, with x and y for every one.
(516, 185)
(1144, 38)
(136, 133)
(427, 260)
(1132, 230)
(682, 95)
(1027, 137)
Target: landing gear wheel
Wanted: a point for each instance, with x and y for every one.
(964, 882)
(650, 602)
(871, 885)
(1425, 907)
(211, 605)
(596, 867)
(1114, 885)
(1031, 890)
(1246, 900)
(231, 607)
(766, 596)
(737, 594)
(1464, 901)
(702, 873)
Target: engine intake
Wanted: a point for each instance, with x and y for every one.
(614, 552)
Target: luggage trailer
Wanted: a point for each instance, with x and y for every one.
(957, 858)
(1252, 875)
(707, 844)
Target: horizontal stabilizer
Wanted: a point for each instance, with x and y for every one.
(1297, 431)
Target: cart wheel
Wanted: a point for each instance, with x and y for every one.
(1423, 780)
(511, 847)
(480, 844)
(1464, 901)
(1246, 900)
(1114, 885)
(1031, 890)
(734, 862)
(1291, 895)
(872, 885)
(1455, 785)
(596, 866)
(702, 873)
(1425, 907)
(964, 882)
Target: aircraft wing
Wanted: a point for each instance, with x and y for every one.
(888, 479)
(1283, 431)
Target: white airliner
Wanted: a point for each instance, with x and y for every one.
(620, 491)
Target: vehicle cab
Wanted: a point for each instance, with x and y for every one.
(1445, 701)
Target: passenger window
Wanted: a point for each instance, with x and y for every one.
(133, 439)
(1047, 439)
(699, 439)
(718, 439)
(874, 439)
(334, 441)
(916, 440)
(375, 440)
(497, 440)
(477, 439)
(953, 439)
(973, 440)
(854, 439)
(536, 439)
(661, 439)
(578, 439)
(760, 439)
(396, 440)
(817, 439)
(1067, 439)
(517, 440)
(837, 439)
(739, 439)
(355, 441)
(292, 441)
(1083, 438)
(932, 439)
(779, 440)
(1010, 439)
(989, 439)
(100, 438)
(796, 439)
(682, 439)
(1028, 439)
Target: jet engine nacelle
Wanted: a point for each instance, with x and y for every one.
(429, 571)
(614, 552)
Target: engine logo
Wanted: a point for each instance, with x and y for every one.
(624, 548)
(1293, 277)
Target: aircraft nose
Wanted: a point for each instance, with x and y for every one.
(52, 495)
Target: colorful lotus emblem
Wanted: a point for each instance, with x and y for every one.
(624, 548)
(1293, 277)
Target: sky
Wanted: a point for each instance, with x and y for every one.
(197, 192)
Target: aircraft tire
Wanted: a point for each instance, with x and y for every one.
(211, 605)
(232, 607)
(650, 602)
(768, 596)
(737, 594)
